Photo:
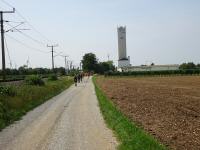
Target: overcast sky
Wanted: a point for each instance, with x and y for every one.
(159, 31)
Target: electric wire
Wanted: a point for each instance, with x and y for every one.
(13, 27)
(44, 37)
(25, 45)
(26, 35)
(7, 3)
(14, 21)
(8, 53)
(20, 15)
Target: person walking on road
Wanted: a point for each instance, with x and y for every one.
(75, 80)
(79, 78)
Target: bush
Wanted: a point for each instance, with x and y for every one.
(34, 80)
(7, 91)
(53, 77)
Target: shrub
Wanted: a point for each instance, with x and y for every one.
(34, 80)
(53, 77)
(7, 91)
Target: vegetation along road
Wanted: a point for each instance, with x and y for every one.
(71, 120)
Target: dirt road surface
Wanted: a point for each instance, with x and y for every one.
(69, 121)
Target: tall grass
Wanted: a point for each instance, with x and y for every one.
(28, 97)
(129, 135)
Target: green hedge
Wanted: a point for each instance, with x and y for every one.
(152, 73)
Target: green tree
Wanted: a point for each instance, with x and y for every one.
(22, 70)
(89, 62)
(104, 67)
(198, 66)
(111, 66)
(189, 65)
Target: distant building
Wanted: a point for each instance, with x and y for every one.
(151, 68)
(123, 60)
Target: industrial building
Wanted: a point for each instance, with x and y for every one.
(124, 61)
(151, 68)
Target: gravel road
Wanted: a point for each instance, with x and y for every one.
(69, 121)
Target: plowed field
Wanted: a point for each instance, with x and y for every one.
(166, 107)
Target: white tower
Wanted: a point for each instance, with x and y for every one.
(123, 60)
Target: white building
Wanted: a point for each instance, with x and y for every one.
(123, 60)
(152, 68)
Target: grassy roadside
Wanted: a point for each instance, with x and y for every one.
(129, 135)
(27, 97)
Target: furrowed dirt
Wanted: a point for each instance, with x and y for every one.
(166, 107)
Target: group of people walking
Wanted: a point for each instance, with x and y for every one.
(79, 77)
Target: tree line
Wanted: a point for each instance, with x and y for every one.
(189, 65)
(91, 64)
(23, 70)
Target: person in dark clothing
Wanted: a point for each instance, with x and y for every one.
(79, 77)
(75, 80)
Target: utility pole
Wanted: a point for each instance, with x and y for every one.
(52, 54)
(66, 68)
(66, 65)
(2, 42)
(71, 65)
(80, 65)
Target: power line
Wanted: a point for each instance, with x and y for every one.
(14, 21)
(8, 52)
(7, 3)
(11, 29)
(28, 62)
(25, 45)
(26, 35)
(44, 37)
(20, 15)
(2, 41)
(52, 54)
(66, 63)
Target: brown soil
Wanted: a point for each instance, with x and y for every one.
(166, 107)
